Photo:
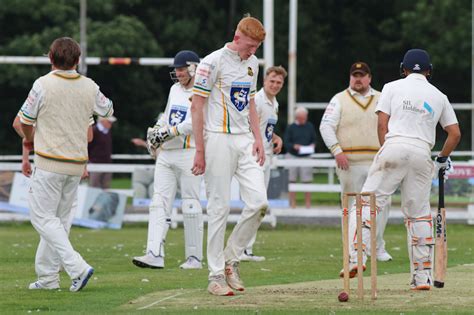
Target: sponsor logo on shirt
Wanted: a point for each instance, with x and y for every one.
(427, 111)
(239, 94)
(203, 71)
(177, 114)
(407, 106)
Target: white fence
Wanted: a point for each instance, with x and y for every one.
(317, 161)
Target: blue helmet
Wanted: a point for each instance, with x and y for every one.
(416, 60)
(184, 58)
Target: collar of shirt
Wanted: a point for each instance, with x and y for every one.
(233, 53)
(267, 100)
(416, 76)
(64, 71)
(182, 87)
(369, 94)
(102, 129)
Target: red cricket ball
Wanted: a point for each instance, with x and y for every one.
(343, 297)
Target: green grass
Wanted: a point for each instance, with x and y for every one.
(294, 254)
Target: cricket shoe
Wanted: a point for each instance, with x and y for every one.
(352, 271)
(191, 263)
(81, 281)
(149, 261)
(383, 255)
(218, 286)
(38, 286)
(421, 282)
(232, 276)
(246, 256)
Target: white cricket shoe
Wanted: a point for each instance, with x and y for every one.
(81, 281)
(149, 261)
(191, 263)
(383, 255)
(218, 286)
(232, 276)
(246, 256)
(38, 286)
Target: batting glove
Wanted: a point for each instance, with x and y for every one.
(150, 144)
(157, 136)
(443, 163)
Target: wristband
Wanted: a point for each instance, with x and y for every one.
(442, 159)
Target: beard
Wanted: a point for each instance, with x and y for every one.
(360, 88)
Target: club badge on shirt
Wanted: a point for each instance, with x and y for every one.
(269, 129)
(239, 94)
(250, 71)
(177, 114)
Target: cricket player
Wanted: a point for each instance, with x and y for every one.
(349, 130)
(408, 111)
(267, 110)
(173, 167)
(59, 105)
(228, 143)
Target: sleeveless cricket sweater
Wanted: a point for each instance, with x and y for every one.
(357, 131)
(61, 127)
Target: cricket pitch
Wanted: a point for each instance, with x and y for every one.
(394, 295)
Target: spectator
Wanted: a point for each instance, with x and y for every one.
(300, 140)
(100, 151)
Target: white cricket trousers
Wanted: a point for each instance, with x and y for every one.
(266, 176)
(405, 163)
(352, 180)
(172, 167)
(229, 155)
(51, 196)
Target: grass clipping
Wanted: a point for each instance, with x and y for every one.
(393, 295)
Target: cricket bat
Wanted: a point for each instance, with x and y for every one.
(441, 249)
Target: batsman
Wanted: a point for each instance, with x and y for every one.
(409, 110)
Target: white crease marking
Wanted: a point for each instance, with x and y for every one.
(159, 301)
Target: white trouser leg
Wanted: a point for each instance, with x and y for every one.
(353, 179)
(47, 260)
(266, 175)
(384, 176)
(415, 193)
(50, 199)
(191, 205)
(221, 163)
(160, 207)
(382, 219)
(254, 195)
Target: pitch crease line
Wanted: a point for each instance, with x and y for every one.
(159, 301)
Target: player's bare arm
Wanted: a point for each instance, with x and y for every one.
(254, 126)
(277, 143)
(17, 126)
(454, 136)
(197, 108)
(382, 126)
(90, 134)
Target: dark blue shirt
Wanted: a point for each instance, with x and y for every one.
(299, 134)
